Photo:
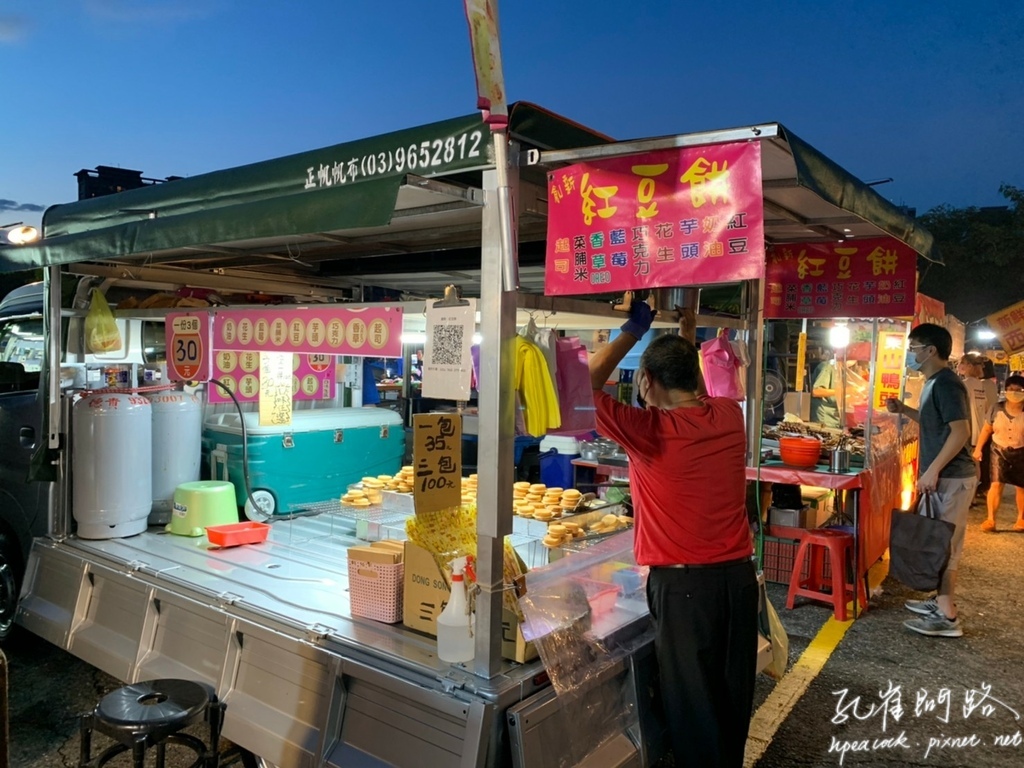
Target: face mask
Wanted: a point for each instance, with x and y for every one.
(640, 400)
(913, 363)
(1015, 397)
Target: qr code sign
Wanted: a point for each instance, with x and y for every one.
(446, 345)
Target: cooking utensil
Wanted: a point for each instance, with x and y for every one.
(839, 458)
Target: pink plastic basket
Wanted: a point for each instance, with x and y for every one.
(375, 590)
(600, 594)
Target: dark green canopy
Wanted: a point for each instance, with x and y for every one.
(356, 208)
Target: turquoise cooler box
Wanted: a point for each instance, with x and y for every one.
(313, 459)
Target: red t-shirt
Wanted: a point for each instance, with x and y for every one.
(686, 478)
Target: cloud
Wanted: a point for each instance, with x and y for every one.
(148, 11)
(13, 29)
(15, 206)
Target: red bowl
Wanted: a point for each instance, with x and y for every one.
(800, 451)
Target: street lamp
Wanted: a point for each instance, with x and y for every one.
(18, 233)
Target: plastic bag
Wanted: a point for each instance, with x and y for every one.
(575, 394)
(780, 642)
(101, 333)
(722, 368)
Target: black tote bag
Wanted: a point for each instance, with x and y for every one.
(919, 547)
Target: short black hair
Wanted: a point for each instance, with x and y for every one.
(932, 335)
(672, 361)
(1014, 378)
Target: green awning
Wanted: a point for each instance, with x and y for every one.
(830, 182)
(342, 187)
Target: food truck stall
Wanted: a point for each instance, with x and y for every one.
(272, 626)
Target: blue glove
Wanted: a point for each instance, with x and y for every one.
(640, 318)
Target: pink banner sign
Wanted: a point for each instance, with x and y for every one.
(873, 277)
(674, 217)
(313, 376)
(365, 331)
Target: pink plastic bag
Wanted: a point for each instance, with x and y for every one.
(723, 375)
(572, 380)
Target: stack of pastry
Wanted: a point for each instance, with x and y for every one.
(560, 533)
(356, 498)
(402, 482)
(610, 523)
(570, 499)
(372, 486)
(469, 489)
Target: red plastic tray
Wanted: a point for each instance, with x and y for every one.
(234, 534)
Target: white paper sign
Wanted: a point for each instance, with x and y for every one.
(447, 360)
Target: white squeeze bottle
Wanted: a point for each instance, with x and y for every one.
(455, 624)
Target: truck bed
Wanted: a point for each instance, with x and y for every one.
(267, 626)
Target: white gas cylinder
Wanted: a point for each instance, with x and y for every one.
(177, 448)
(111, 464)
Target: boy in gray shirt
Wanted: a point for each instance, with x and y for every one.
(946, 470)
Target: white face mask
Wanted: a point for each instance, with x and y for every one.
(1015, 397)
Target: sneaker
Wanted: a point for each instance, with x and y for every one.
(923, 607)
(935, 625)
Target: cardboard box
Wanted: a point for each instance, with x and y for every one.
(374, 555)
(808, 517)
(425, 593)
(790, 518)
(391, 545)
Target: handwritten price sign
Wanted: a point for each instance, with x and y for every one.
(188, 346)
(437, 457)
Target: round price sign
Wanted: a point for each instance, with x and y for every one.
(187, 354)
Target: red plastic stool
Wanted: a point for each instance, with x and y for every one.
(833, 589)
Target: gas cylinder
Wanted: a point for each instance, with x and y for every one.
(177, 448)
(111, 464)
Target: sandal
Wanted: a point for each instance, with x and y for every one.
(1019, 526)
(989, 525)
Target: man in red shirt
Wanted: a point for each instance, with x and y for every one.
(687, 457)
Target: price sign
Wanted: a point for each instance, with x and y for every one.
(437, 458)
(188, 346)
(275, 388)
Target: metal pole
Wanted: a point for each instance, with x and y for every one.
(495, 458)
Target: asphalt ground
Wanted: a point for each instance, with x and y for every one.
(884, 696)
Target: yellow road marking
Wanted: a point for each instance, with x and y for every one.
(787, 692)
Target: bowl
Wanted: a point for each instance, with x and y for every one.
(800, 451)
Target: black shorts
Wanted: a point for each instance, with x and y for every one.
(1008, 465)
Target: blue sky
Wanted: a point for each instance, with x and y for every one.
(929, 94)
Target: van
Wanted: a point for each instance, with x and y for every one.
(25, 499)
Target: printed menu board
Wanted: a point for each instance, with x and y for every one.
(314, 336)
(871, 277)
(687, 216)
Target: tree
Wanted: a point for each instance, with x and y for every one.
(983, 251)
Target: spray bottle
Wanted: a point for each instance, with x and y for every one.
(455, 624)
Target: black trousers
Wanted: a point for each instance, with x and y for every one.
(705, 622)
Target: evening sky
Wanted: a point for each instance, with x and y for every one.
(928, 94)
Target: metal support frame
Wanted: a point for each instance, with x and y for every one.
(496, 424)
(753, 291)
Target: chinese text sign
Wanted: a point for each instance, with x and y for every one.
(275, 389)
(437, 461)
(314, 336)
(187, 337)
(669, 218)
(1008, 325)
(872, 277)
(889, 361)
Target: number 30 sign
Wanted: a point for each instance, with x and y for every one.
(188, 346)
